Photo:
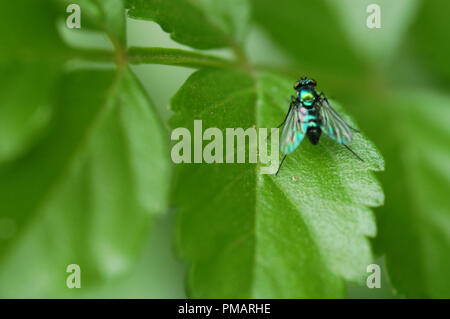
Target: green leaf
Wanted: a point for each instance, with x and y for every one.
(250, 235)
(157, 274)
(107, 16)
(85, 193)
(201, 24)
(310, 32)
(414, 224)
(378, 44)
(30, 60)
(426, 37)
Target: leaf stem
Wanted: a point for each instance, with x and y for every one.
(241, 56)
(191, 59)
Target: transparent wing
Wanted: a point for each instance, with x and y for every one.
(333, 125)
(293, 131)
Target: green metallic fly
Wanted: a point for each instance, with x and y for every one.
(309, 115)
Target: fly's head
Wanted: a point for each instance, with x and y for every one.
(304, 82)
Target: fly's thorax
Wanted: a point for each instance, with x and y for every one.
(307, 96)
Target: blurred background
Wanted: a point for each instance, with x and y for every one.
(394, 80)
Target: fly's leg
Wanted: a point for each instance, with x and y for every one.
(282, 161)
(357, 156)
(322, 95)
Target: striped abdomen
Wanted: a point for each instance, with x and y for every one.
(311, 124)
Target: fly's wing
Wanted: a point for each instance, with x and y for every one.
(333, 125)
(293, 131)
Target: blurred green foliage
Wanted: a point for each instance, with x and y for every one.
(85, 191)
(85, 167)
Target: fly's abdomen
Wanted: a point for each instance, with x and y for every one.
(312, 125)
(309, 118)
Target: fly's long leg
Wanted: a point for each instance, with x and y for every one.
(280, 165)
(270, 133)
(322, 95)
(353, 153)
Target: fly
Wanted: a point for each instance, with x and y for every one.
(309, 115)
